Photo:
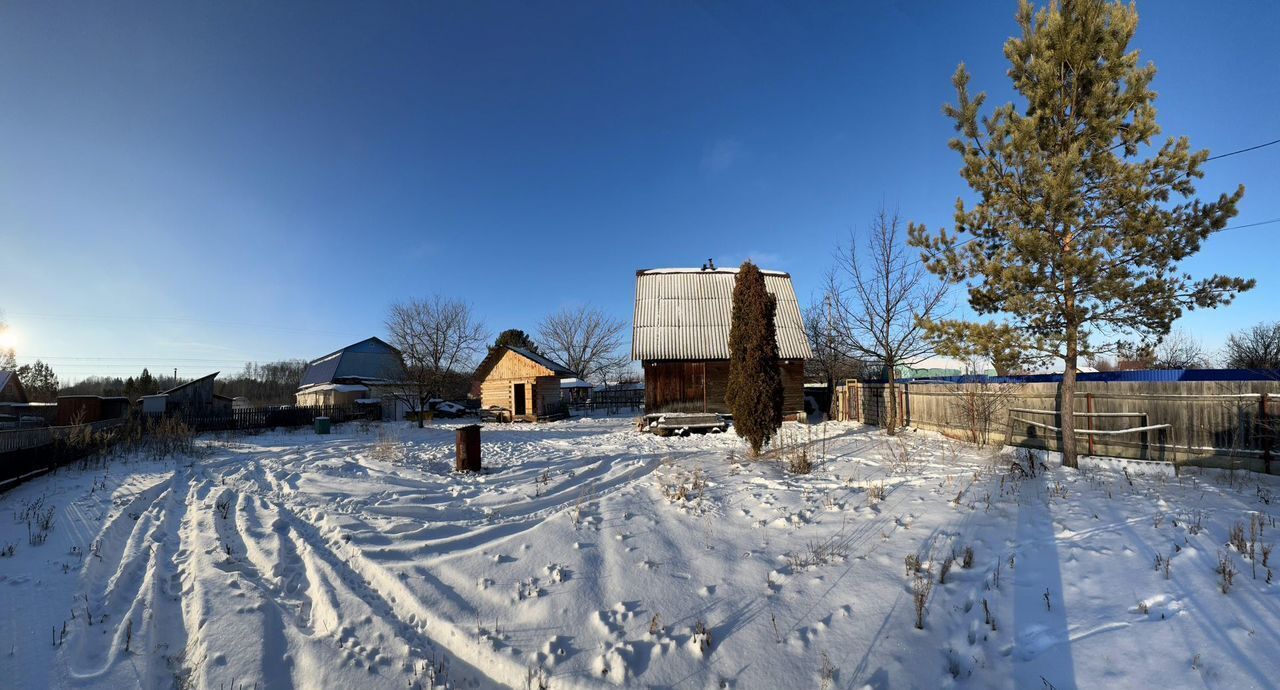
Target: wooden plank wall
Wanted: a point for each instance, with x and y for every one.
(701, 386)
(497, 387)
(1212, 423)
(547, 395)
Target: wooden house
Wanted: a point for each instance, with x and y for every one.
(681, 337)
(11, 390)
(524, 384)
(195, 397)
(83, 409)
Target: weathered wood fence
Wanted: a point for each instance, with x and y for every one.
(1210, 423)
(26, 453)
(271, 417)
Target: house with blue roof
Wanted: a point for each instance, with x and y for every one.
(361, 373)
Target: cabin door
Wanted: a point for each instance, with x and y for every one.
(517, 392)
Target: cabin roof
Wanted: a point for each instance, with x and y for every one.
(189, 383)
(685, 314)
(496, 353)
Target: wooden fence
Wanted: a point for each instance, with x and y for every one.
(272, 417)
(26, 453)
(611, 400)
(1216, 424)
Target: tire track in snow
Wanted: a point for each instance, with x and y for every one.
(138, 606)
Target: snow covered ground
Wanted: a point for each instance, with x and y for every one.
(590, 554)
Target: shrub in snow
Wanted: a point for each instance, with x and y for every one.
(912, 562)
(1226, 572)
(921, 586)
(826, 672)
(701, 639)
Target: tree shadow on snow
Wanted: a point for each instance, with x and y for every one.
(1041, 635)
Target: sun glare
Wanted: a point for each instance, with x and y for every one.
(8, 339)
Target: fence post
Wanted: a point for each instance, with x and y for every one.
(1268, 437)
(1088, 398)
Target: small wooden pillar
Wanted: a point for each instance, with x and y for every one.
(468, 449)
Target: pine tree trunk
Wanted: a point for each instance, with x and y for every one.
(1067, 402)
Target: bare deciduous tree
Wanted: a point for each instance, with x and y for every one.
(880, 295)
(586, 340)
(1255, 348)
(1180, 350)
(829, 361)
(438, 337)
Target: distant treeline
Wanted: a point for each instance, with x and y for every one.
(272, 383)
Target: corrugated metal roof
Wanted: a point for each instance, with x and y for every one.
(371, 358)
(686, 314)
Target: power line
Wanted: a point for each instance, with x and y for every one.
(79, 317)
(1251, 148)
(146, 358)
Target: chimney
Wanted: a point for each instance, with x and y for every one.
(711, 263)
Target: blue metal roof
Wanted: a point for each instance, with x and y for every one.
(1149, 375)
(367, 359)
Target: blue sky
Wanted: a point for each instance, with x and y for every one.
(194, 185)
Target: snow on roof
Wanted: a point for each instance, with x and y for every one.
(686, 313)
(573, 382)
(730, 271)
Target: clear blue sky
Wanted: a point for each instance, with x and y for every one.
(261, 180)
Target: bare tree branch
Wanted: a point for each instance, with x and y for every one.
(437, 337)
(586, 340)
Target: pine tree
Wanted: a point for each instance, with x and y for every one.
(514, 337)
(39, 381)
(1076, 239)
(147, 384)
(754, 393)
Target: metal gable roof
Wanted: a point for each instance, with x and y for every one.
(371, 358)
(686, 314)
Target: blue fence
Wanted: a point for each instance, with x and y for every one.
(1148, 376)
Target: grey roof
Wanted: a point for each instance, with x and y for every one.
(685, 313)
(192, 382)
(370, 359)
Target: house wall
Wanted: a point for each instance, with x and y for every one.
(314, 398)
(497, 388)
(700, 386)
(11, 393)
(547, 395)
(78, 409)
(195, 396)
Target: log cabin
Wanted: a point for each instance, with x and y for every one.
(522, 384)
(681, 338)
